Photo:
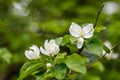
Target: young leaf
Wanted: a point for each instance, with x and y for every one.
(73, 48)
(60, 58)
(28, 68)
(49, 76)
(95, 47)
(59, 71)
(59, 41)
(66, 39)
(76, 63)
(107, 50)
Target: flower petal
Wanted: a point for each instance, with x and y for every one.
(74, 29)
(80, 43)
(46, 45)
(44, 52)
(88, 28)
(88, 31)
(35, 49)
(52, 41)
(56, 50)
(29, 54)
(89, 35)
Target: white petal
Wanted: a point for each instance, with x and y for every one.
(56, 50)
(52, 41)
(28, 54)
(44, 52)
(88, 28)
(74, 29)
(108, 44)
(48, 46)
(35, 49)
(89, 35)
(80, 43)
(88, 31)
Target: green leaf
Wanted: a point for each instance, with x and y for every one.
(59, 40)
(73, 40)
(5, 55)
(49, 76)
(76, 76)
(60, 58)
(59, 71)
(95, 47)
(76, 63)
(73, 48)
(28, 68)
(99, 28)
(107, 50)
(66, 39)
(99, 66)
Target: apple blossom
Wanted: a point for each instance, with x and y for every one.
(110, 8)
(111, 55)
(50, 48)
(81, 33)
(33, 53)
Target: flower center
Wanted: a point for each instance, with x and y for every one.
(81, 33)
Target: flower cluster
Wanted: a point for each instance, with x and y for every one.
(51, 48)
(61, 56)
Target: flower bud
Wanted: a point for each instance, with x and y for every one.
(48, 65)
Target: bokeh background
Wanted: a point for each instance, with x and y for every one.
(27, 22)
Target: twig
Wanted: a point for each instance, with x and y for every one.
(69, 73)
(100, 9)
(98, 14)
(89, 65)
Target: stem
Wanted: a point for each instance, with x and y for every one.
(69, 73)
(89, 65)
(80, 50)
(98, 14)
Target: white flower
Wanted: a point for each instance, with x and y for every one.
(110, 55)
(33, 53)
(81, 33)
(50, 48)
(111, 7)
(48, 65)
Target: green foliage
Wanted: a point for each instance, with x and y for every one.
(28, 68)
(98, 66)
(66, 39)
(59, 71)
(5, 55)
(51, 19)
(94, 46)
(76, 63)
(59, 40)
(60, 58)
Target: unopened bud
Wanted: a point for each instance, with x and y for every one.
(48, 65)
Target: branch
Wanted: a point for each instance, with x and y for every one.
(89, 65)
(98, 14)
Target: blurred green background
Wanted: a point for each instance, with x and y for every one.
(27, 22)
